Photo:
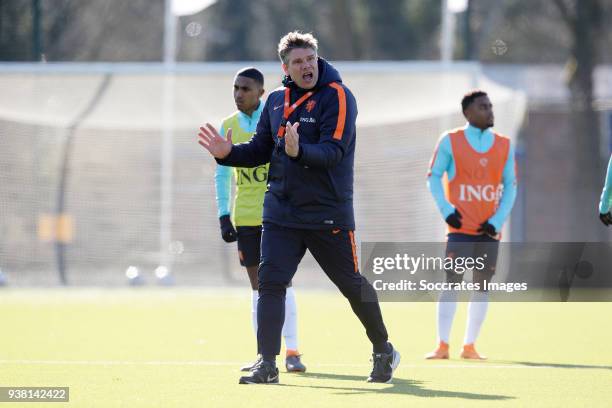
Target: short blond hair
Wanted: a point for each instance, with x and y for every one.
(295, 39)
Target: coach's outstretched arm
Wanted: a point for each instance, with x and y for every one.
(253, 153)
(337, 131)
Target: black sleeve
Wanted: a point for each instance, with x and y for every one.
(338, 116)
(256, 151)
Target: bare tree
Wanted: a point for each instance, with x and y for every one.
(583, 19)
(15, 30)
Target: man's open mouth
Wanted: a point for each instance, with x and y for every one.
(307, 77)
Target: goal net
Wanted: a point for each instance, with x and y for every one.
(101, 170)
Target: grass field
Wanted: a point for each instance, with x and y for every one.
(183, 347)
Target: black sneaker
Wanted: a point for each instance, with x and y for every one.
(293, 364)
(384, 365)
(252, 365)
(264, 372)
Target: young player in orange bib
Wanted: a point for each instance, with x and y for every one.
(475, 199)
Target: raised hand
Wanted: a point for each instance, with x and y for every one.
(292, 140)
(212, 141)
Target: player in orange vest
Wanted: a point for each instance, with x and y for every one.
(475, 199)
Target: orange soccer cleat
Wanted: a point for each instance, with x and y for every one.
(470, 353)
(441, 353)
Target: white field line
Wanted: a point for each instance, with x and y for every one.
(478, 365)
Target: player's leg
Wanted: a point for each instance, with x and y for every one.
(457, 246)
(293, 361)
(252, 272)
(487, 248)
(249, 248)
(252, 254)
(336, 253)
(248, 252)
(447, 306)
(281, 251)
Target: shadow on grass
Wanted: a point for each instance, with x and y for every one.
(399, 386)
(559, 365)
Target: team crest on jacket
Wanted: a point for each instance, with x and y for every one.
(310, 105)
(483, 162)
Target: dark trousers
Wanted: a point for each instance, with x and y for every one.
(473, 246)
(282, 250)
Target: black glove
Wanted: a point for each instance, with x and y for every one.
(228, 233)
(454, 220)
(487, 228)
(606, 218)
